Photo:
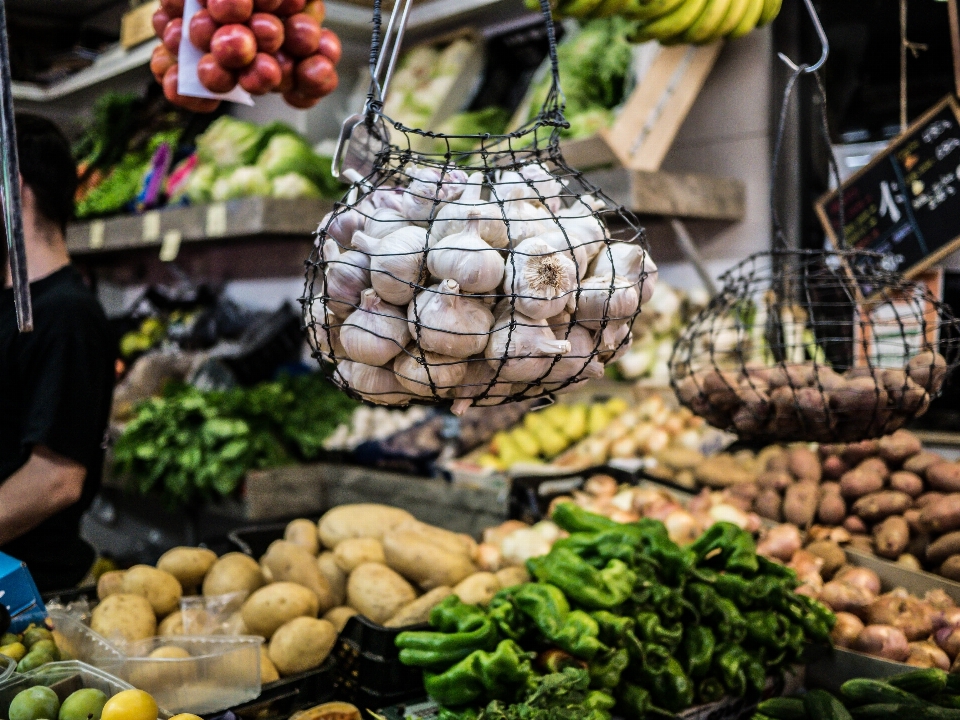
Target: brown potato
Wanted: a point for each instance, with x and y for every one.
(857, 483)
(189, 565)
(722, 471)
(777, 460)
(881, 505)
(109, 584)
(906, 482)
(834, 467)
(172, 624)
(418, 611)
(912, 516)
(301, 644)
(943, 515)
(418, 559)
(277, 604)
(511, 576)
(234, 572)
(943, 547)
(124, 616)
(769, 505)
(303, 532)
(800, 503)
(951, 568)
(899, 446)
(287, 562)
(329, 711)
(875, 466)
(891, 537)
(445, 539)
(832, 555)
(160, 588)
(338, 616)
(928, 370)
(944, 476)
(268, 671)
(927, 498)
(378, 592)
(336, 578)
(359, 520)
(854, 525)
(478, 589)
(854, 453)
(234, 625)
(774, 480)
(804, 464)
(357, 551)
(860, 397)
(169, 652)
(921, 461)
(832, 509)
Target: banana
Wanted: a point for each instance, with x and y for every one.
(650, 9)
(676, 23)
(710, 19)
(734, 16)
(750, 19)
(609, 8)
(771, 8)
(578, 8)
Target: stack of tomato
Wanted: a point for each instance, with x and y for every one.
(262, 45)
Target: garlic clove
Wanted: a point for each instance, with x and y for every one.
(429, 374)
(346, 276)
(540, 277)
(374, 384)
(480, 386)
(467, 259)
(383, 221)
(340, 225)
(626, 260)
(443, 321)
(522, 349)
(581, 362)
(605, 298)
(374, 333)
(397, 266)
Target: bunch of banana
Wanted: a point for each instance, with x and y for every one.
(677, 21)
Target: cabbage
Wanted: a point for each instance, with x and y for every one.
(291, 154)
(242, 182)
(198, 185)
(293, 185)
(229, 142)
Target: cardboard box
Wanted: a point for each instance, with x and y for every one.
(136, 26)
(19, 594)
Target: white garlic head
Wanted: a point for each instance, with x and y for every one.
(603, 300)
(626, 260)
(397, 262)
(429, 374)
(374, 333)
(443, 321)
(480, 380)
(580, 362)
(540, 277)
(342, 225)
(467, 259)
(346, 275)
(523, 349)
(454, 215)
(375, 384)
(383, 221)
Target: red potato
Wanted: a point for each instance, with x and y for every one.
(928, 370)
(227, 12)
(317, 10)
(301, 35)
(261, 76)
(943, 547)
(921, 461)
(927, 498)
(854, 525)
(927, 655)
(290, 7)
(234, 46)
(899, 446)
(876, 466)
(160, 20)
(769, 505)
(774, 480)
(172, 34)
(834, 467)
(269, 6)
(912, 516)
(296, 99)
(286, 71)
(804, 464)
(857, 483)
(891, 537)
(213, 76)
(202, 28)
(316, 75)
(832, 509)
(160, 61)
(268, 29)
(908, 482)
(846, 630)
(860, 577)
(854, 453)
(951, 568)
(944, 476)
(942, 515)
(883, 641)
(881, 505)
(843, 597)
(330, 45)
(173, 8)
(198, 105)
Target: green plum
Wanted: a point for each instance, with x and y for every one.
(86, 704)
(36, 703)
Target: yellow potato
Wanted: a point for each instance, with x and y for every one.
(272, 606)
(328, 711)
(418, 611)
(336, 578)
(109, 584)
(378, 592)
(418, 559)
(234, 572)
(124, 616)
(303, 533)
(187, 564)
(161, 589)
(357, 551)
(268, 671)
(510, 576)
(478, 589)
(172, 624)
(169, 652)
(339, 615)
(450, 541)
(287, 562)
(359, 520)
(301, 644)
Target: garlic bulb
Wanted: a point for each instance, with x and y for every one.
(532, 182)
(467, 259)
(627, 260)
(342, 226)
(383, 197)
(428, 188)
(612, 339)
(523, 348)
(396, 262)
(346, 276)
(540, 277)
(607, 298)
(374, 333)
(479, 380)
(527, 219)
(580, 362)
(327, 338)
(375, 384)
(443, 321)
(383, 221)
(429, 375)
(453, 216)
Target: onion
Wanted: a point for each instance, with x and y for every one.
(860, 577)
(927, 655)
(780, 542)
(841, 597)
(883, 641)
(948, 639)
(847, 630)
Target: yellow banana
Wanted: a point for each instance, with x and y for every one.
(677, 22)
(750, 18)
(737, 10)
(609, 8)
(578, 8)
(771, 8)
(706, 25)
(650, 9)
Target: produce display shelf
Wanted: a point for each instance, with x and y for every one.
(236, 219)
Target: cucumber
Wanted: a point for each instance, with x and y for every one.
(872, 692)
(923, 683)
(894, 711)
(947, 701)
(783, 708)
(821, 705)
(953, 684)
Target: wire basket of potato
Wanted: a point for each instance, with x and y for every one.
(790, 349)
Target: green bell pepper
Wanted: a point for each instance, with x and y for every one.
(571, 630)
(594, 589)
(612, 627)
(728, 546)
(480, 676)
(607, 669)
(574, 519)
(461, 630)
(650, 629)
(698, 646)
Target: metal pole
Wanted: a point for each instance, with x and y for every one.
(10, 187)
(693, 256)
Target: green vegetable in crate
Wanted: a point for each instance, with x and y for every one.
(286, 153)
(229, 142)
(244, 181)
(499, 675)
(291, 186)
(461, 630)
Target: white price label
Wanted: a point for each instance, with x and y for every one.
(151, 226)
(97, 228)
(217, 220)
(170, 247)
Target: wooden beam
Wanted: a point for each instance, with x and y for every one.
(955, 41)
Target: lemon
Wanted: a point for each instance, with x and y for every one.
(130, 705)
(186, 716)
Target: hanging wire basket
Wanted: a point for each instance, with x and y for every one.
(483, 276)
(814, 345)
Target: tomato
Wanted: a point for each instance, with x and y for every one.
(286, 71)
(161, 61)
(172, 35)
(262, 76)
(268, 29)
(234, 46)
(226, 12)
(299, 100)
(202, 28)
(160, 20)
(213, 76)
(290, 7)
(130, 705)
(173, 8)
(302, 35)
(317, 10)
(269, 6)
(316, 75)
(330, 45)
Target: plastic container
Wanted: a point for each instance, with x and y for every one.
(279, 700)
(531, 495)
(8, 666)
(64, 678)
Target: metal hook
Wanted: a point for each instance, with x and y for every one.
(824, 44)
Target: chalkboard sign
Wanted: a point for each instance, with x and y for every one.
(906, 202)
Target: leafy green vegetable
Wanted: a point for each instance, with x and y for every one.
(198, 188)
(293, 185)
(491, 120)
(286, 153)
(229, 142)
(117, 190)
(245, 181)
(558, 696)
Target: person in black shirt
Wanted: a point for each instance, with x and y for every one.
(56, 382)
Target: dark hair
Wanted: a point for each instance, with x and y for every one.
(47, 166)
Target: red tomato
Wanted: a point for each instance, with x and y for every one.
(269, 6)
(172, 35)
(286, 71)
(299, 100)
(173, 8)
(317, 10)
(213, 76)
(161, 61)
(203, 3)
(290, 7)
(330, 45)
(268, 29)
(160, 20)
(302, 35)
(234, 46)
(202, 28)
(226, 12)
(199, 105)
(262, 76)
(316, 75)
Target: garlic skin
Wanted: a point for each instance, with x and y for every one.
(415, 373)
(629, 261)
(375, 333)
(382, 197)
(384, 221)
(396, 262)
(375, 384)
(341, 226)
(540, 277)
(522, 348)
(527, 219)
(607, 298)
(346, 276)
(442, 321)
(467, 259)
(479, 380)
(580, 362)
(327, 338)
(428, 188)
(453, 216)
(612, 338)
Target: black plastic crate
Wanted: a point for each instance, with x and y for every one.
(286, 696)
(255, 539)
(531, 495)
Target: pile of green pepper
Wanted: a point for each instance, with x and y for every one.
(658, 627)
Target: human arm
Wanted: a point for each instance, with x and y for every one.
(46, 484)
